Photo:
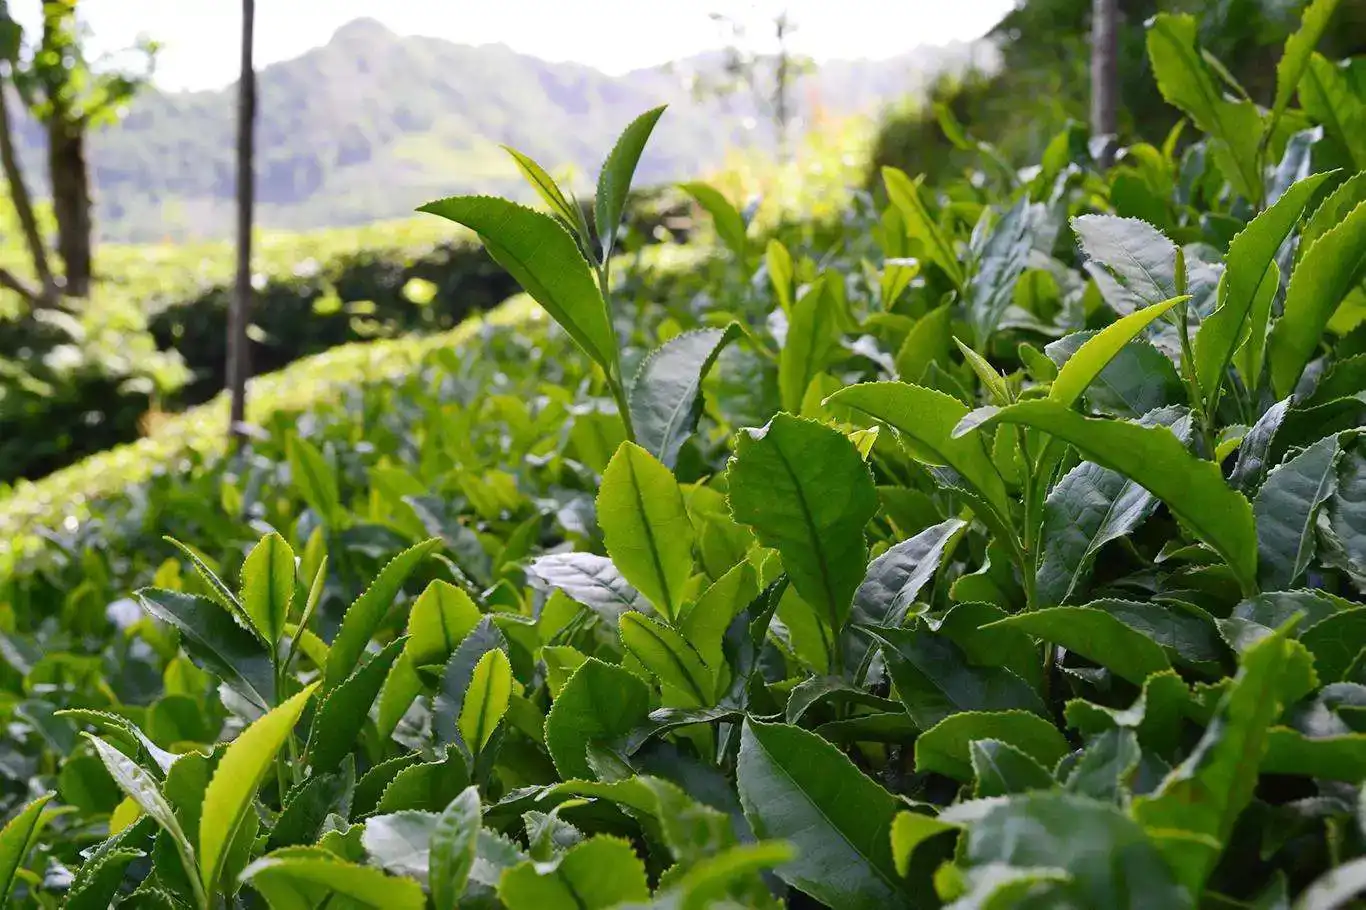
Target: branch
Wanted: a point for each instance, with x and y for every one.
(9, 280)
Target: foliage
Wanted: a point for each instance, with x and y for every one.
(1064, 614)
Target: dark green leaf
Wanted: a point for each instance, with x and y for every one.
(366, 614)
(796, 787)
(600, 704)
(614, 180)
(341, 715)
(1098, 636)
(1287, 508)
(1193, 489)
(805, 490)
(1109, 860)
(1325, 273)
(1001, 769)
(216, 642)
(1250, 263)
(666, 396)
(946, 747)
(934, 679)
(895, 578)
(1133, 253)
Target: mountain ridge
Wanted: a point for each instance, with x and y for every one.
(372, 123)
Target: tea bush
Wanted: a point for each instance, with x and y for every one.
(1002, 554)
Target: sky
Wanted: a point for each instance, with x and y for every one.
(199, 43)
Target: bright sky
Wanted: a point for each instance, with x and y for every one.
(200, 50)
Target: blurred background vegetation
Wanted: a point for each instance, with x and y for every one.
(352, 135)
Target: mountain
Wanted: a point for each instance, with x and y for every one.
(372, 124)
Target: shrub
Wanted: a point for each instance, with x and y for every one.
(942, 570)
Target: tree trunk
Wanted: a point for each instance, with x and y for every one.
(71, 202)
(1105, 77)
(23, 205)
(238, 363)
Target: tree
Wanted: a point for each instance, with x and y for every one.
(69, 97)
(11, 38)
(238, 362)
(1104, 76)
(769, 77)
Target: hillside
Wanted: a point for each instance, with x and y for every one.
(372, 124)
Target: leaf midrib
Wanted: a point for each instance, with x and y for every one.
(813, 531)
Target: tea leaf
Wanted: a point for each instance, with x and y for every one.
(794, 786)
(268, 585)
(910, 830)
(1251, 256)
(1001, 769)
(666, 396)
(1204, 795)
(298, 877)
(454, 845)
(1109, 860)
(601, 872)
(546, 187)
(592, 580)
(1133, 252)
(730, 224)
(486, 699)
(927, 419)
(905, 195)
(1327, 95)
(668, 656)
(366, 613)
(600, 704)
(17, 837)
(1298, 49)
(806, 492)
(315, 479)
(895, 578)
(1287, 508)
(780, 272)
(1193, 489)
(1091, 358)
(236, 779)
(934, 679)
(344, 709)
(1088, 508)
(216, 642)
(646, 526)
(704, 624)
(614, 180)
(546, 262)
(813, 338)
(926, 343)
(1184, 78)
(1324, 275)
(946, 747)
(1097, 636)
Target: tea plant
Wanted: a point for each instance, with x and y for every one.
(1005, 554)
